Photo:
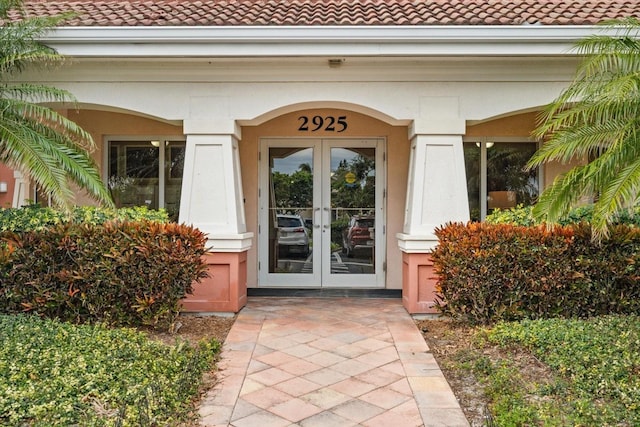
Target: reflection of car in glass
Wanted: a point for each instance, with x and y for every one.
(357, 234)
(292, 235)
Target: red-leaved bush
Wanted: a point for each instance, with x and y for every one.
(490, 272)
(121, 273)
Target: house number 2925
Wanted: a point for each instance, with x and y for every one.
(316, 123)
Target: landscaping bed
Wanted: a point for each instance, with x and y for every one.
(546, 372)
(55, 373)
(553, 372)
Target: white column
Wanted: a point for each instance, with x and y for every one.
(20, 190)
(212, 199)
(437, 188)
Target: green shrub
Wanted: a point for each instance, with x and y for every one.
(597, 359)
(490, 272)
(35, 217)
(57, 374)
(122, 273)
(96, 215)
(521, 215)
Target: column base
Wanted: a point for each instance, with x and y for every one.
(418, 283)
(225, 290)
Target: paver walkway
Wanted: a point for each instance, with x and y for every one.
(328, 362)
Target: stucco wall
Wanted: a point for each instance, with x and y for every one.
(517, 125)
(360, 126)
(6, 175)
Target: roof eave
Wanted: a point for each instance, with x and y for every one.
(279, 41)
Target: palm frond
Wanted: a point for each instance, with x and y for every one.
(597, 118)
(63, 142)
(48, 147)
(567, 189)
(21, 151)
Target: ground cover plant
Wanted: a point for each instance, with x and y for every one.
(596, 363)
(54, 373)
(551, 372)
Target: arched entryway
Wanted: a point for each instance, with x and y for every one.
(325, 190)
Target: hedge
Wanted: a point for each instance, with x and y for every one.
(120, 273)
(35, 217)
(521, 215)
(489, 272)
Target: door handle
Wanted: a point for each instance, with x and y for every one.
(327, 223)
(316, 220)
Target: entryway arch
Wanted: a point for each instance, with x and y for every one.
(328, 128)
(363, 110)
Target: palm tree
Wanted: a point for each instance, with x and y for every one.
(47, 147)
(597, 118)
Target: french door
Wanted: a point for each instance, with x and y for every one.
(321, 215)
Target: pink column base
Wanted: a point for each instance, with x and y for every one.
(418, 283)
(225, 290)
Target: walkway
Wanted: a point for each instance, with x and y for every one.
(328, 362)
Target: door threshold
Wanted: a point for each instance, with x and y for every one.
(324, 293)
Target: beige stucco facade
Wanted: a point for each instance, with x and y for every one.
(104, 125)
(424, 95)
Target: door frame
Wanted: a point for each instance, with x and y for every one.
(321, 275)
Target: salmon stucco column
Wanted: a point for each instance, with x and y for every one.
(212, 200)
(436, 194)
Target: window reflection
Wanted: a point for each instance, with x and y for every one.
(136, 177)
(290, 210)
(508, 182)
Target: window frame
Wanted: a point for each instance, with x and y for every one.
(483, 140)
(142, 141)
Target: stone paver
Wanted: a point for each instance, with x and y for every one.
(328, 362)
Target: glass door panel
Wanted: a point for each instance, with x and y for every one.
(290, 210)
(320, 204)
(352, 197)
(134, 173)
(353, 206)
(289, 216)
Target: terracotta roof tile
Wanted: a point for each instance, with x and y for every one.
(333, 12)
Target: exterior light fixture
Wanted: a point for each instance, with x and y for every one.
(489, 144)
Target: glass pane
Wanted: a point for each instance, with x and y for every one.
(508, 182)
(142, 162)
(133, 178)
(174, 166)
(472, 168)
(290, 210)
(353, 201)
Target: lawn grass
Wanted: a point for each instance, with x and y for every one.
(54, 373)
(594, 365)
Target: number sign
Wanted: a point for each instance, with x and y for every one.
(328, 124)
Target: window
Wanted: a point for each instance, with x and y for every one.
(146, 173)
(497, 176)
